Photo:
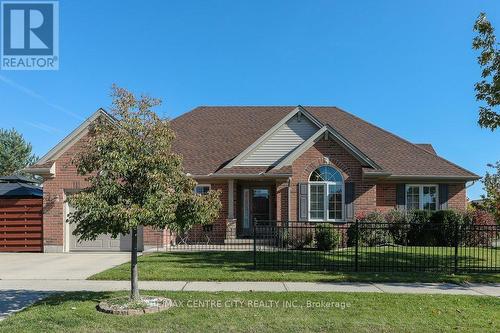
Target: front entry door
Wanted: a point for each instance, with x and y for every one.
(256, 206)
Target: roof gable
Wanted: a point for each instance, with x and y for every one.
(427, 146)
(279, 141)
(328, 132)
(71, 138)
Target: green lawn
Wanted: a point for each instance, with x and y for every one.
(238, 266)
(247, 312)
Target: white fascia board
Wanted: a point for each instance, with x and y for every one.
(45, 173)
(270, 132)
(71, 138)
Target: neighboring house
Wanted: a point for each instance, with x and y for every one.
(277, 163)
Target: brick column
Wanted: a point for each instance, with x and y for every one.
(282, 200)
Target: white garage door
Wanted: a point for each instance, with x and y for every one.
(103, 242)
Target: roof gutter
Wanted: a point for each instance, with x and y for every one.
(433, 177)
(240, 175)
(45, 173)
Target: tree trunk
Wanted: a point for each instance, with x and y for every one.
(134, 279)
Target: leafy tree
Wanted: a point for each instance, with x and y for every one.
(488, 89)
(15, 152)
(134, 178)
(491, 182)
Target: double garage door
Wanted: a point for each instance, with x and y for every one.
(103, 242)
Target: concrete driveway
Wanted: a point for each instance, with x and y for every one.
(57, 266)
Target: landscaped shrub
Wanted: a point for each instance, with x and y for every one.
(419, 232)
(399, 226)
(297, 238)
(326, 237)
(419, 216)
(373, 230)
(444, 224)
(434, 228)
(479, 229)
(424, 228)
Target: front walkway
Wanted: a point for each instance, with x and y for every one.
(475, 289)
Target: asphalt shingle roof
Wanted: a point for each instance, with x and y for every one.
(208, 137)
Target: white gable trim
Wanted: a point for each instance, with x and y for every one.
(48, 172)
(71, 138)
(298, 110)
(328, 131)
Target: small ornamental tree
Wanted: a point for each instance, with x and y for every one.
(134, 178)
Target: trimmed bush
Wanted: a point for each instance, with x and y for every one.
(326, 237)
(419, 232)
(372, 230)
(424, 228)
(398, 226)
(444, 224)
(479, 229)
(297, 238)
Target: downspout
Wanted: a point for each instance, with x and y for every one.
(471, 184)
(289, 196)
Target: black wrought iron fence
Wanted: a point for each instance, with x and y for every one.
(376, 247)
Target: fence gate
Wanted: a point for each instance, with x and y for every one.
(21, 225)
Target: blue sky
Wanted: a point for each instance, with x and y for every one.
(406, 66)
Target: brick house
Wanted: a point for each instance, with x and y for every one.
(275, 164)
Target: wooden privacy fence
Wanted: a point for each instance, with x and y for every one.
(21, 225)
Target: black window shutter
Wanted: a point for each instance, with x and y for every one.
(349, 201)
(401, 196)
(443, 196)
(303, 201)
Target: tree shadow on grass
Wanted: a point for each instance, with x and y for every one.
(370, 260)
(17, 300)
(12, 301)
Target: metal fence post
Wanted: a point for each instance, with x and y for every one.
(254, 245)
(356, 253)
(456, 246)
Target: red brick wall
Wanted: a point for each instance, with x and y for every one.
(282, 201)
(457, 196)
(218, 232)
(154, 238)
(386, 197)
(54, 195)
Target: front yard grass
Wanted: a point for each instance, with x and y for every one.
(267, 312)
(238, 266)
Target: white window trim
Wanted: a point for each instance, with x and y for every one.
(421, 195)
(202, 185)
(326, 205)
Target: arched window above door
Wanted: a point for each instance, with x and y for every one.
(326, 174)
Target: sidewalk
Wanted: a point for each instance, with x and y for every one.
(16, 295)
(410, 288)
